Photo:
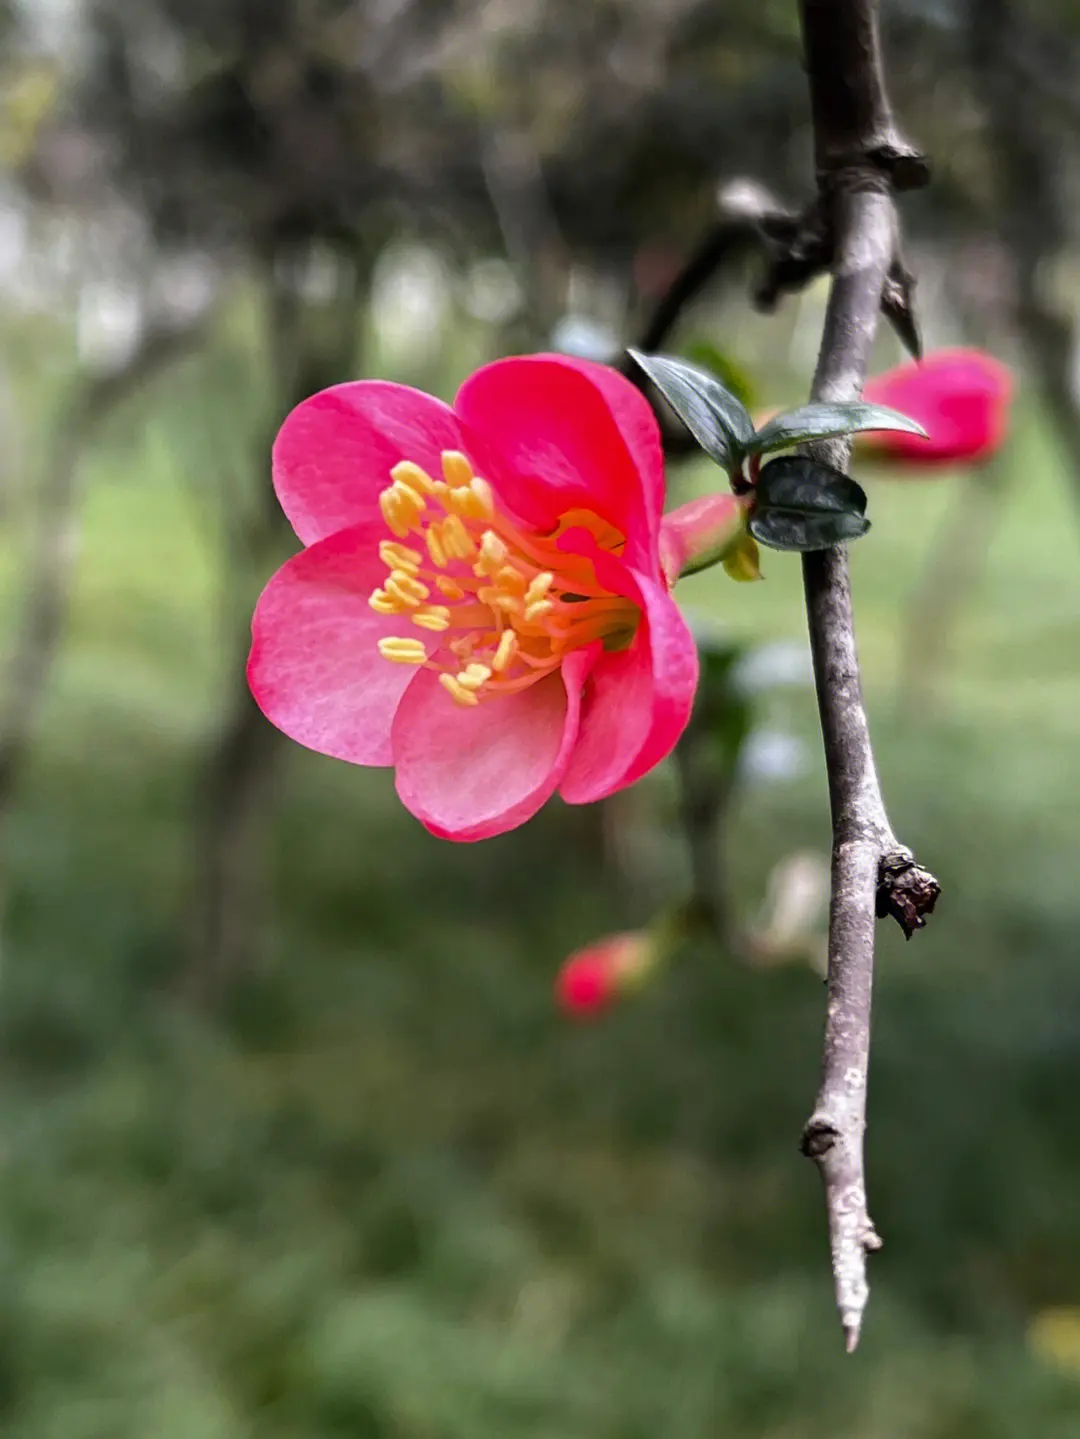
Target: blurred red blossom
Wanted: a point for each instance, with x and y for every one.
(594, 977)
(960, 397)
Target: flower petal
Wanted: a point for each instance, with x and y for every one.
(960, 397)
(314, 668)
(637, 701)
(467, 774)
(333, 454)
(555, 434)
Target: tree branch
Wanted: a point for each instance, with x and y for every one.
(860, 156)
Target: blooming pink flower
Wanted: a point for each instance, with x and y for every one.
(481, 602)
(592, 978)
(961, 399)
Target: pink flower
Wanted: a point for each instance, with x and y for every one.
(481, 602)
(961, 399)
(592, 978)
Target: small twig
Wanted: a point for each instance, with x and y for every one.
(860, 156)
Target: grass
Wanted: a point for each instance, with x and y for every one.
(390, 1195)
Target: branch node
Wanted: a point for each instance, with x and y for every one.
(906, 890)
(818, 1138)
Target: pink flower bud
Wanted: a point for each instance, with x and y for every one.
(593, 977)
(961, 399)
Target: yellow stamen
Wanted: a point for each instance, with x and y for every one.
(384, 604)
(456, 539)
(457, 472)
(456, 691)
(505, 653)
(529, 605)
(472, 677)
(411, 475)
(493, 554)
(399, 557)
(406, 588)
(432, 617)
(484, 498)
(539, 586)
(511, 579)
(402, 651)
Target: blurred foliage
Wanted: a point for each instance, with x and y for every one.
(391, 1193)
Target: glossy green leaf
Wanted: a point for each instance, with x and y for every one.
(732, 376)
(719, 422)
(800, 505)
(822, 422)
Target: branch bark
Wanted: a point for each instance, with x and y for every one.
(860, 156)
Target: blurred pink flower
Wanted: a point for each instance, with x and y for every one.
(960, 397)
(592, 978)
(481, 603)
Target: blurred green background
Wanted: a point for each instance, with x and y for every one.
(294, 1142)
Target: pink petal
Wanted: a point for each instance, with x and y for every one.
(555, 434)
(467, 774)
(314, 668)
(637, 701)
(960, 397)
(333, 454)
(694, 529)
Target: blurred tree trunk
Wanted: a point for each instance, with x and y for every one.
(1030, 174)
(310, 346)
(45, 586)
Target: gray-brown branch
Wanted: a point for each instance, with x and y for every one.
(860, 157)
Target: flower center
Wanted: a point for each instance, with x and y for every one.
(512, 605)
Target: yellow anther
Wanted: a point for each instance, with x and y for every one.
(457, 542)
(384, 604)
(505, 652)
(432, 617)
(457, 691)
(399, 557)
(508, 578)
(474, 677)
(499, 600)
(406, 588)
(435, 546)
(407, 473)
(392, 514)
(402, 651)
(539, 586)
(457, 472)
(450, 588)
(401, 506)
(537, 610)
(484, 498)
(493, 554)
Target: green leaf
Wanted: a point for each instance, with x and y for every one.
(719, 422)
(733, 377)
(821, 422)
(800, 505)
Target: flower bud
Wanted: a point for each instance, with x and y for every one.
(593, 977)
